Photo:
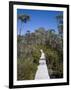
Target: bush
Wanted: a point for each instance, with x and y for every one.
(53, 63)
(36, 56)
(27, 63)
(26, 69)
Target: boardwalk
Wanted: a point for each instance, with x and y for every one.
(42, 71)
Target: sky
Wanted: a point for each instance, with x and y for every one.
(38, 18)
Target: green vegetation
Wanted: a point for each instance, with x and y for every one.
(28, 51)
(27, 63)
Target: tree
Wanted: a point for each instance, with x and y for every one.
(60, 24)
(41, 34)
(27, 37)
(50, 36)
(23, 18)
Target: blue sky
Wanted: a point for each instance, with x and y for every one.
(38, 18)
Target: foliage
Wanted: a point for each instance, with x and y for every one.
(54, 63)
(28, 51)
(27, 63)
(23, 18)
(25, 69)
